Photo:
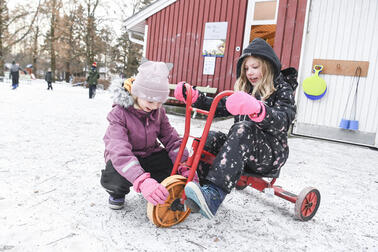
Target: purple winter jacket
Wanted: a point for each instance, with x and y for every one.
(132, 132)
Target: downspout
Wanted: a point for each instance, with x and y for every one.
(138, 41)
(134, 40)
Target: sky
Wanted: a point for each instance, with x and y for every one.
(51, 157)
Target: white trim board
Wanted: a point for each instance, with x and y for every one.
(137, 21)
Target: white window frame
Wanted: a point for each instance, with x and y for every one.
(249, 22)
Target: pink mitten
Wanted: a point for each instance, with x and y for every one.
(241, 103)
(180, 92)
(151, 190)
(185, 171)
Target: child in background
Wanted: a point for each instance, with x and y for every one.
(92, 80)
(48, 79)
(14, 74)
(138, 125)
(263, 108)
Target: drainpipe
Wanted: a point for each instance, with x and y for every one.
(134, 40)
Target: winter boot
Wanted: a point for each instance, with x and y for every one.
(116, 203)
(208, 198)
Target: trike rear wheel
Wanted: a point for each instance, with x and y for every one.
(307, 203)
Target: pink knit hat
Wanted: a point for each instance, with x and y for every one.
(151, 82)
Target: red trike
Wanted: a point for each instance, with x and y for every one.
(173, 211)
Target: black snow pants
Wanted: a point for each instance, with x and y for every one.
(159, 165)
(15, 77)
(244, 148)
(92, 91)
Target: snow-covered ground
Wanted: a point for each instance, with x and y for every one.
(51, 156)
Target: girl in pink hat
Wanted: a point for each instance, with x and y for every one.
(140, 143)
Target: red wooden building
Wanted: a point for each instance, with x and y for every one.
(174, 31)
(337, 34)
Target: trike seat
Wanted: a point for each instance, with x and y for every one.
(271, 174)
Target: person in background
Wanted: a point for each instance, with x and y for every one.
(140, 143)
(263, 107)
(92, 80)
(48, 79)
(14, 74)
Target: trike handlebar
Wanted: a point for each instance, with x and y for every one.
(210, 116)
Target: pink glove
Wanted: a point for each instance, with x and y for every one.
(185, 171)
(241, 103)
(151, 190)
(180, 92)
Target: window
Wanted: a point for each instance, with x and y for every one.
(265, 10)
(261, 21)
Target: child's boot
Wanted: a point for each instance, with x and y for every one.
(208, 197)
(116, 203)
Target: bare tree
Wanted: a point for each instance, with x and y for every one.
(68, 36)
(14, 27)
(106, 37)
(128, 54)
(76, 39)
(51, 9)
(69, 48)
(90, 34)
(36, 34)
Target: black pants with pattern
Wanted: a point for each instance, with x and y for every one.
(244, 148)
(159, 165)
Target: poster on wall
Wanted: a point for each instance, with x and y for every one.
(214, 39)
(209, 65)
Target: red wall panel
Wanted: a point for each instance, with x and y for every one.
(176, 33)
(289, 31)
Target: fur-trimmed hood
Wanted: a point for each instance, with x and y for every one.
(120, 95)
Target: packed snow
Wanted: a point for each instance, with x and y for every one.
(51, 156)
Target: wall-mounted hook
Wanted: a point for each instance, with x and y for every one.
(318, 68)
(342, 67)
(358, 71)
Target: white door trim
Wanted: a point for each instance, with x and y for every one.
(249, 19)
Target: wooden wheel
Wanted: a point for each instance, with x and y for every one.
(162, 215)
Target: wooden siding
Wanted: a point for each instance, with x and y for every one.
(176, 35)
(341, 30)
(289, 32)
